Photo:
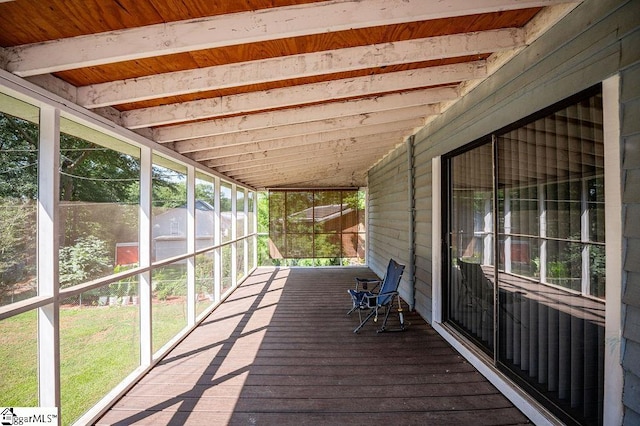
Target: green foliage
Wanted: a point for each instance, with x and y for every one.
(355, 200)
(18, 192)
(204, 274)
(87, 259)
(124, 287)
(205, 192)
(18, 158)
(263, 212)
(91, 173)
(169, 281)
(18, 242)
(287, 216)
(557, 270)
(169, 195)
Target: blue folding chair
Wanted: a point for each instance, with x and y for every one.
(372, 301)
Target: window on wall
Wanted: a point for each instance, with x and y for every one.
(525, 258)
(19, 134)
(317, 224)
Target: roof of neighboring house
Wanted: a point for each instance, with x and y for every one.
(322, 213)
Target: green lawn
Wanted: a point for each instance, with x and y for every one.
(98, 348)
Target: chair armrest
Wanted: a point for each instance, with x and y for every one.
(372, 299)
(365, 282)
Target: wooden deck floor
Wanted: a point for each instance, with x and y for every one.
(280, 350)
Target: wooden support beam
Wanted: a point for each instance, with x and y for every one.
(262, 120)
(304, 94)
(299, 129)
(388, 140)
(298, 66)
(407, 125)
(239, 28)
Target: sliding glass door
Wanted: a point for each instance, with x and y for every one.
(526, 237)
(471, 292)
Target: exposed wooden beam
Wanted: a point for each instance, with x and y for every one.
(304, 114)
(284, 158)
(239, 28)
(305, 94)
(298, 66)
(349, 161)
(299, 129)
(343, 179)
(387, 140)
(311, 139)
(352, 167)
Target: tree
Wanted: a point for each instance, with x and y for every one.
(87, 259)
(93, 173)
(99, 194)
(18, 194)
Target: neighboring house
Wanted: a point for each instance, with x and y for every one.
(170, 227)
(169, 233)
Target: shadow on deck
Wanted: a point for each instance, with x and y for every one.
(280, 350)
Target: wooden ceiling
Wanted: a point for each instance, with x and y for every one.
(272, 93)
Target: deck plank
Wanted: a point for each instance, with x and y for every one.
(280, 350)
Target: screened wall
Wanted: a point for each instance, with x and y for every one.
(317, 224)
(111, 251)
(525, 229)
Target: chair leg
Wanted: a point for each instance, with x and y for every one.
(403, 325)
(362, 323)
(384, 322)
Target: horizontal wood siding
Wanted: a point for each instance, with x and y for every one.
(597, 40)
(423, 195)
(388, 215)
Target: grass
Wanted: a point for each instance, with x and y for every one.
(98, 349)
(18, 352)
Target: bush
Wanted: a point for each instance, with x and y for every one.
(87, 259)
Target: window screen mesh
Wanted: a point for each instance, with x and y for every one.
(316, 224)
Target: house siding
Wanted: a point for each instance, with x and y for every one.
(388, 216)
(423, 194)
(597, 40)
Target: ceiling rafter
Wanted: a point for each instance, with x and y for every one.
(306, 170)
(336, 149)
(308, 139)
(372, 104)
(237, 28)
(306, 94)
(314, 93)
(300, 129)
(333, 176)
(358, 142)
(298, 66)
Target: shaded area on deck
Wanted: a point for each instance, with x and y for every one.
(280, 350)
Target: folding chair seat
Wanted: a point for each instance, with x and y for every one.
(365, 299)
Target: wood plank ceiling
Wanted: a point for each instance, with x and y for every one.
(272, 93)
